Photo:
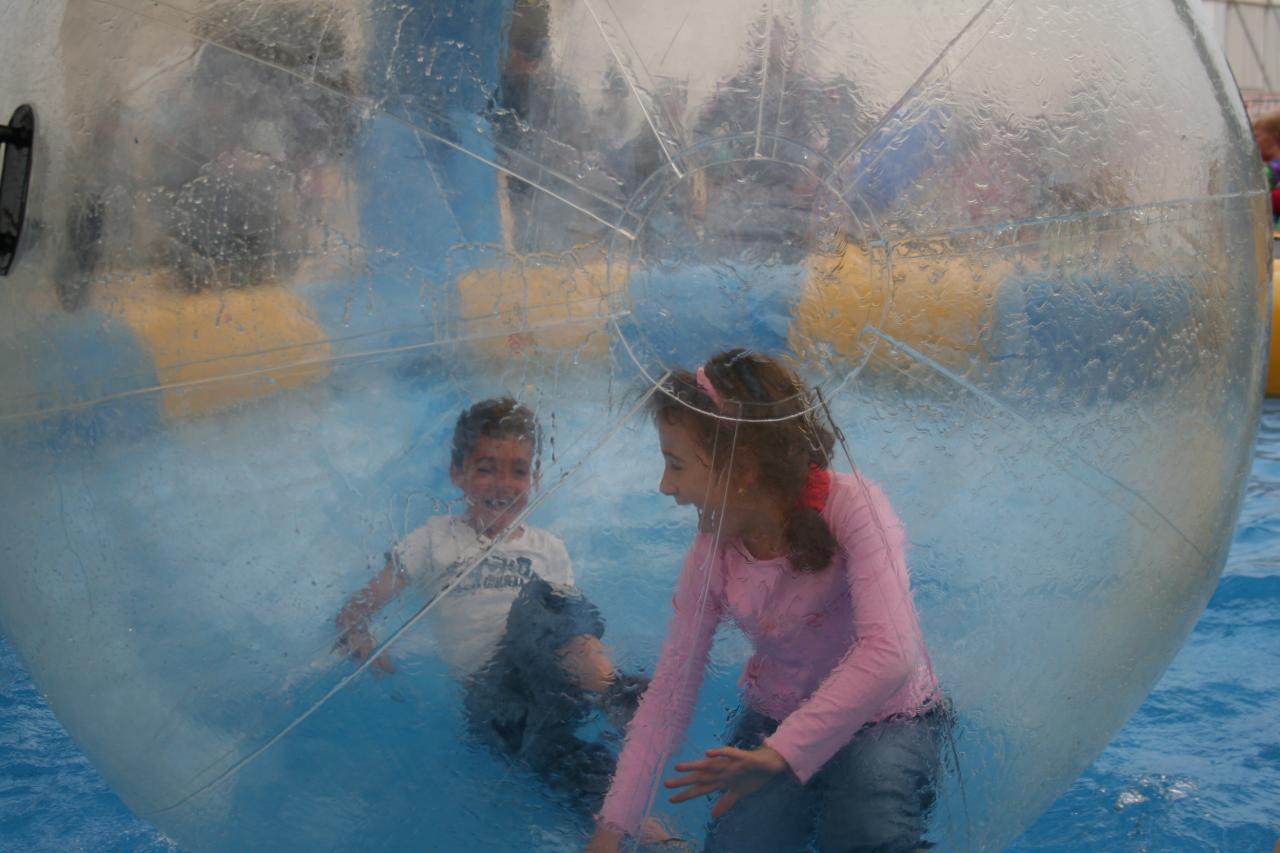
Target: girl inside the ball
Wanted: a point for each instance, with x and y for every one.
(837, 739)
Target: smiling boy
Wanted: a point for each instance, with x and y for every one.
(494, 463)
(522, 640)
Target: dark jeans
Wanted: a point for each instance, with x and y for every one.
(873, 795)
(524, 705)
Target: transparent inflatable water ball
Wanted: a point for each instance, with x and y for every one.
(273, 249)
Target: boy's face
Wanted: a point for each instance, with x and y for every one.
(496, 479)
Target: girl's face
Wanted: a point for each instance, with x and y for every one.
(496, 478)
(687, 476)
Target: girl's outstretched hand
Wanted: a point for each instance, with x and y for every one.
(605, 840)
(653, 833)
(737, 772)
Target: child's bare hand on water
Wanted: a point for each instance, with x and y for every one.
(736, 772)
(356, 642)
(653, 835)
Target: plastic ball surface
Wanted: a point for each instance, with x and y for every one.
(273, 249)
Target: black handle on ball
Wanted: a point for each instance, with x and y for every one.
(15, 179)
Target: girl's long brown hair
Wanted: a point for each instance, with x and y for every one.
(769, 412)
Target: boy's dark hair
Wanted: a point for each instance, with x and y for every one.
(767, 410)
(501, 417)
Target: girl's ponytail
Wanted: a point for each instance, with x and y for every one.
(810, 544)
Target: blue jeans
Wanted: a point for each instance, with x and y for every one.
(875, 794)
(523, 705)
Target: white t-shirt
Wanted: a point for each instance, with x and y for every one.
(468, 623)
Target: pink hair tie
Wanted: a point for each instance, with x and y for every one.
(705, 384)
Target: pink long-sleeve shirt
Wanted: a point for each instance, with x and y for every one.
(834, 649)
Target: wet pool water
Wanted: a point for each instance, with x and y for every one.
(1196, 768)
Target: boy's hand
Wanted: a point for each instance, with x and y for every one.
(355, 641)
